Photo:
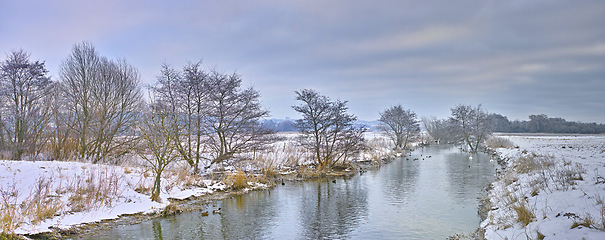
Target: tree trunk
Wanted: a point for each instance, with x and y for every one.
(155, 192)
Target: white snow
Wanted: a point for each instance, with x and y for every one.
(86, 192)
(19, 181)
(559, 179)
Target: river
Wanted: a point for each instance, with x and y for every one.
(431, 194)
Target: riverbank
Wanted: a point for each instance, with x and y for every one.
(553, 187)
(57, 199)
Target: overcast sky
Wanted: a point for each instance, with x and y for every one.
(515, 57)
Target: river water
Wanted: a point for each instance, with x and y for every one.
(431, 194)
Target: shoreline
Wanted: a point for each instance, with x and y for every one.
(545, 178)
(198, 203)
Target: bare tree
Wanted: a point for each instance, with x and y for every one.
(117, 99)
(328, 130)
(233, 118)
(77, 74)
(441, 130)
(103, 95)
(159, 131)
(219, 119)
(23, 86)
(400, 125)
(472, 124)
(61, 123)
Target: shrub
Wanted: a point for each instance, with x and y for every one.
(171, 209)
(237, 181)
(499, 142)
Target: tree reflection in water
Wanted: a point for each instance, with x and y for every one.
(332, 210)
(405, 199)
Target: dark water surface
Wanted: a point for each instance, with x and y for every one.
(406, 199)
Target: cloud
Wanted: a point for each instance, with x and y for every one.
(517, 57)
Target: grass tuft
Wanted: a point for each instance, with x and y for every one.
(524, 214)
(237, 181)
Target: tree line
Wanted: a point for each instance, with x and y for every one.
(541, 123)
(98, 111)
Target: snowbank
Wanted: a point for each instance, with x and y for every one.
(38, 196)
(553, 187)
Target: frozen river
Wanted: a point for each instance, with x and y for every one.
(431, 194)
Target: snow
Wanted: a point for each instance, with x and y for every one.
(64, 178)
(564, 187)
(86, 192)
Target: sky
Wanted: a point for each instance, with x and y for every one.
(516, 57)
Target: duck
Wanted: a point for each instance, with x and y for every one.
(205, 213)
(334, 181)
(217, 211)
(282, 182)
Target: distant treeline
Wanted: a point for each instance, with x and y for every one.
(543, 124)
(537, 124)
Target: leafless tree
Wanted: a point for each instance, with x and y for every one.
(233, 118)
(61, 124)
(472, 124)
(327, 129)
(104, 96)
(219, 119)
(77, 74)
(117, 99)
(24, 115)
(440, 130)
(159, 132)
(400, 125)
(193, 90)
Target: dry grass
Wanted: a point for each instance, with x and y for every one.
(525, 215)
(10, 216)
(587, 222)
(237, 181)
(308, 172)
(93, 189)
(171, 209)
(533, 162)
(499, 142)
(40, 204)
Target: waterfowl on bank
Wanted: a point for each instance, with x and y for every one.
(205, 213)
(217, 211)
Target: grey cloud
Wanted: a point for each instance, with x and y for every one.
(515, 57)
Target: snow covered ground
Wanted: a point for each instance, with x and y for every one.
(553, 188)
(36, 196)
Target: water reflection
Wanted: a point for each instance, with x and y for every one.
(428, 198)
(331, 210)
(399, 180)
(468, 175)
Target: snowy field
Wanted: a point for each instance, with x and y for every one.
(553, 188)
(36, 196)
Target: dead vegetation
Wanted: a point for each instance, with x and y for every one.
(499, 142)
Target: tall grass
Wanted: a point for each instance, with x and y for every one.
(237, 181)
(499, 142)
(94, 189)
